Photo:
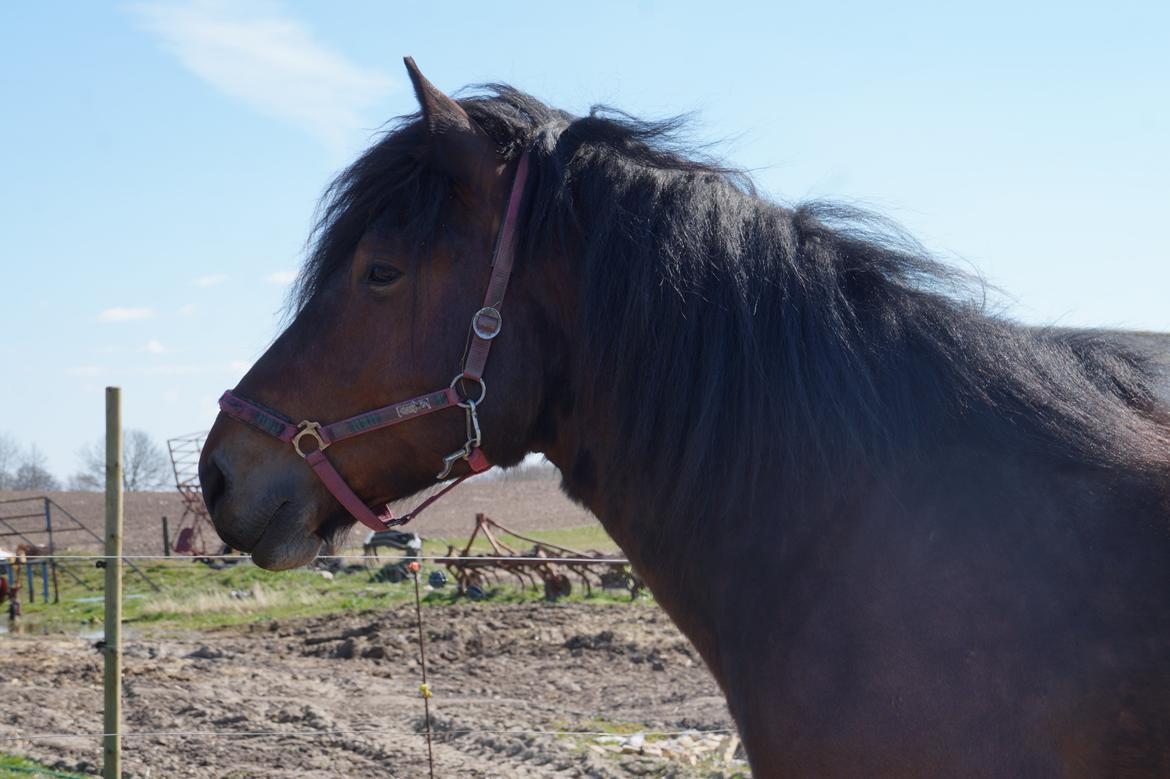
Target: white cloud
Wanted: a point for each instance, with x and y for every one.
(118, 314)
(281, 277)
(260, 55)
(239, 367)
(87, 371)
(210, 281)
(186, 310)
(154, 346)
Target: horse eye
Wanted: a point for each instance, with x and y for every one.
(381, 274)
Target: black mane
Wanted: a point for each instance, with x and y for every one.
(817, 335)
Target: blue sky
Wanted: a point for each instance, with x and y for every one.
(160, 162)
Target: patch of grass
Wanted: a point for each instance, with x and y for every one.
(614, 727)
(196, 597)
(13, 766)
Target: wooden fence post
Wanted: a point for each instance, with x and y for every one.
(166, 537)
(112, 711)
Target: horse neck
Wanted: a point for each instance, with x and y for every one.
(683, 557)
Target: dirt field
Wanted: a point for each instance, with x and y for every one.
(494, 668)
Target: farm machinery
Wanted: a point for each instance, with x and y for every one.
(543, 565)
(185, 451)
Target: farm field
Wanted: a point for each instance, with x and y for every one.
(332, 661)
(522, 504)
(344, 687)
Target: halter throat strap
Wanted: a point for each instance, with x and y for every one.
(310, 439)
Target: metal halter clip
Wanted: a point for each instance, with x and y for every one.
(312, 429)
(474, 437)
(449, 462)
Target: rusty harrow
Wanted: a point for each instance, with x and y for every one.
(544, 565)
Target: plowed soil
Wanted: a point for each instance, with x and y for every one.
(339, 697)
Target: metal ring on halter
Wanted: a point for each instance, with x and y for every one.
(489, 329)
(468, 402)
(312, 429)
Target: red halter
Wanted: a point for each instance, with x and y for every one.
(485, 326)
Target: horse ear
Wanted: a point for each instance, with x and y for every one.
(458, 145)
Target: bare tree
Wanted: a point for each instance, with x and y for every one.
(9, 456)
(92, 476)
(145, 466)
(84, 481)
(32, 474)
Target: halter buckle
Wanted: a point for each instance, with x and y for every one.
(312, 429)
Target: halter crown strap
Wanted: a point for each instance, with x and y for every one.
(485, 326)
(487, 322)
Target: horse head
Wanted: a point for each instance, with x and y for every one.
(403, 258)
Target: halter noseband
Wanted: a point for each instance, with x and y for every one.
(485, 326)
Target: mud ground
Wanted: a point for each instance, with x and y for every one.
(497, 673)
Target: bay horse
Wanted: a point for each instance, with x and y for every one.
(908, 536)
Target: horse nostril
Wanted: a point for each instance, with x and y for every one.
(213, 483)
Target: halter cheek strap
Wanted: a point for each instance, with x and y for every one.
(310, 439)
